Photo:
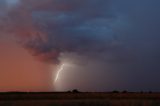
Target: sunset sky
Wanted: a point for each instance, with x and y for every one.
(103, 45)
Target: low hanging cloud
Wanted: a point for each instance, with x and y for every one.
(59, 26)
(48, 28)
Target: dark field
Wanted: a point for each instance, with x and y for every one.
(79, 99)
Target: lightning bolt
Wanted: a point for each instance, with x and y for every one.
(61, 68)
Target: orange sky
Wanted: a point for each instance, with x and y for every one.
(20, 71)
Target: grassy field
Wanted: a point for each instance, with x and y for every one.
(79, 99)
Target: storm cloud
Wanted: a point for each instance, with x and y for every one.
(124, 35)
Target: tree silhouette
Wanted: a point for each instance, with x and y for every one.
(75, 91)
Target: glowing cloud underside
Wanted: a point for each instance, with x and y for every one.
(61, 68)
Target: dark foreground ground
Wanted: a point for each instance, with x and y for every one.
(79, 99)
